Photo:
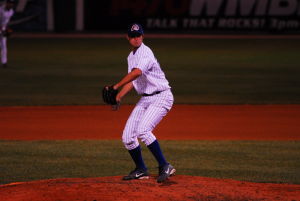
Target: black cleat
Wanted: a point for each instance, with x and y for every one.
(137, 174)
(165, 172)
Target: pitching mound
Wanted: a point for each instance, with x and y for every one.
(176, 188)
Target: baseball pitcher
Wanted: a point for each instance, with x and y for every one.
(147, 78)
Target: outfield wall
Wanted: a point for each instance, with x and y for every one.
(176, 16)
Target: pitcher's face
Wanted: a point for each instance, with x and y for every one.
(135, 42)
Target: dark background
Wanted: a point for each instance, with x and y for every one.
(114, 16)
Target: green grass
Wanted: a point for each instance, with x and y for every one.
(201, 71)
(257, 161)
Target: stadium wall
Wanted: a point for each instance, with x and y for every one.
(176, 16)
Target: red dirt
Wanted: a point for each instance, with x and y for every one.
(184, 122)
(176, 188)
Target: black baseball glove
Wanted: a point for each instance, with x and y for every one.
(109, 95)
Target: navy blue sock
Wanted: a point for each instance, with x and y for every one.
(157, 153)
(136, 155)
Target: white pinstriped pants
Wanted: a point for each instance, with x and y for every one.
(147, 113)
(3, 49)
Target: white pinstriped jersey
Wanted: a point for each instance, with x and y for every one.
(150, 110)
(5, 16)
(153, 78)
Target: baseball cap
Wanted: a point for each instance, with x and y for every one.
(135, 30)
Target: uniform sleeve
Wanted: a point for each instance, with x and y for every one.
(143, 63)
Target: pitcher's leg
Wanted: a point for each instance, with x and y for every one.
(151, 118)
(130, 139)
(3, 50)
(129, 136)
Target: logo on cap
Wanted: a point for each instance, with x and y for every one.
(135, 27)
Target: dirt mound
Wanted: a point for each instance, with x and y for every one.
(176, 188)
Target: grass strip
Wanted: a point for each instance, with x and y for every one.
(201, 71)
(256, 161)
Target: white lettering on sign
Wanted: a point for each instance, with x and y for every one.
(198, 23)
(162, 23)
(284, 24)
(283, 8)
(241, 23)
(244, 7)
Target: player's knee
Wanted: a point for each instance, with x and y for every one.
(146, 136)
(129, 142)
(142, 131)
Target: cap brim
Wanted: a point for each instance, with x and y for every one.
(134, 34)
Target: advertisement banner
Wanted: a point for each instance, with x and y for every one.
(278, 16)
(178, 16)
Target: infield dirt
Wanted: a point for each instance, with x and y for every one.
(192, 122)
(176, 188)
(183, 122)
